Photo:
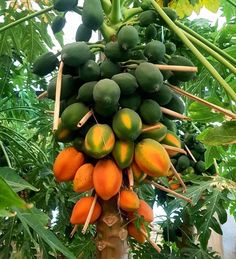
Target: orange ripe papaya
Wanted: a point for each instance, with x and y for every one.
(144, 210)
(128, 200)
(172, 140)
(67, 163)
(136, 233)
(81, 210)
(152, 158)
(138, 174)
(83, 180)
(107, 179)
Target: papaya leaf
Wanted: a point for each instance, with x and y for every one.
(212, 153)
(222, 135)
(201, 113)
(14, 180)
(30, 218)
(8, 197)
(6, 213)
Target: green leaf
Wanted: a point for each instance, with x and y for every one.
(8, 197)
(211, 153)
(30, 218)
(202, 113)
(14, 180)
(223, 135)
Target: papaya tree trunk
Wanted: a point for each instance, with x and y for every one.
(111, 239)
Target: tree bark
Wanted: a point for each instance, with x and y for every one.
(111, 239)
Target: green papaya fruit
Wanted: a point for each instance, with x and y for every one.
(75, 54)
(115, 52)
(131, 101)
(127, 83)
(200, 167)
(150, 32)
(150, 111)
(64, 5)
(175, 104)
(147, 17)
(90, 71)
(137, 55)
(106, 92)
(58, 23)
(85, 93)
(182, 61)
(68, 87)
(109, 68)
(183, 162)
(45, 64)
(83, 33)
(92, 15)
(105, 111)
(72, 115)
(149, 77)
(169, 124)
(155, 51)
(128, 37)
(170, 48)
(162, 96)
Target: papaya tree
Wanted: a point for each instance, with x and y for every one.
(142, 118)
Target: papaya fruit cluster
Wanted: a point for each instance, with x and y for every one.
(111, 112)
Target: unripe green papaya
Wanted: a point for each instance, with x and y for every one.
(109, 68)
(90, 71)
(92, 15)
(106, 92)
(170, 48)
(150, 111)
(155, 51)
(149, 77)
(58, 23)
(126, 82)
(128, 37)
(75, 54)
(65, 5)
(72, 115)
(150, 32)
(83, 33)
(182, 61)
(175, 104)
(131, 101)
(85, 93)
(115, 52)
(147, 17)
(45, 64)
(68, 87)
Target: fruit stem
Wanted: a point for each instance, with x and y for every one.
(206, 42)
(211, 52)
(26, 18)
(154, 245)
(57, 98)
(129, 13)
(194, 50)
(107, 32)
(190, 153)
(176, 194)
(180, 150)
(227, 113)
(116, 14)
(101, 46)
(84, 119)
(42, 95)
(89, 214)
(78, 10)
(177, 175)
(106, 6)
